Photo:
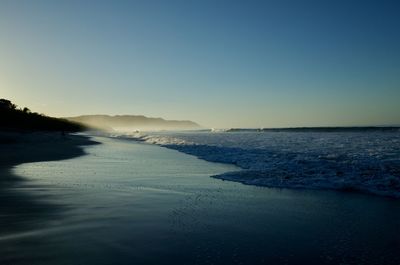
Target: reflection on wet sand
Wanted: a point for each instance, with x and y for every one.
(134, 203)
(22, 207)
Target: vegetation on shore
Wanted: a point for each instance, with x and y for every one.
(14, 118)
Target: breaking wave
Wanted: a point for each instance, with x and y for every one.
(360, 161)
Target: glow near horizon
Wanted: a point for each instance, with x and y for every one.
(219, 63)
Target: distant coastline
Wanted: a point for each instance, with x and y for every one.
(133, 122)
(321, 129)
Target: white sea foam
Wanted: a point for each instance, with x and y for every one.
(363, 161)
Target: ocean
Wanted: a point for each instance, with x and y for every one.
(363, 161)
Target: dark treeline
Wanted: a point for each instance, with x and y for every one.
(12, 117)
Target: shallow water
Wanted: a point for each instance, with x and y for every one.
(133, 203)
(366, 161)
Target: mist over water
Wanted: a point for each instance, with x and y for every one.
(131, 123)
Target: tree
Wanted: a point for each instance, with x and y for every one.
(12, 117)
(7, 105)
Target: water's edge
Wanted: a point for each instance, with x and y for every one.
(282, 169)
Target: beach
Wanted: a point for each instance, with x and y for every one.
(23, 147)
(18, 208)
(127, 202)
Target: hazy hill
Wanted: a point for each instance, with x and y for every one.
(22, 119)
(133, 122)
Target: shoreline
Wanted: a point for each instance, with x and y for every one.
(21, 210)
(129, 201)
(279, 168)
(24, 147)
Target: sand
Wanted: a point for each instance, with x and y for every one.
(129, 202)
(23, 147)
(18, 208)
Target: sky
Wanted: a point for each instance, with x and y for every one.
(219, 63)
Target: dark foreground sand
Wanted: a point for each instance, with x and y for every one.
(22, 147)
(16, 207)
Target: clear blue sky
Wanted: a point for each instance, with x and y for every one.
(220, 63)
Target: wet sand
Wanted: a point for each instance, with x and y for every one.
(19, 209)
(24, 147)
(133, 203)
